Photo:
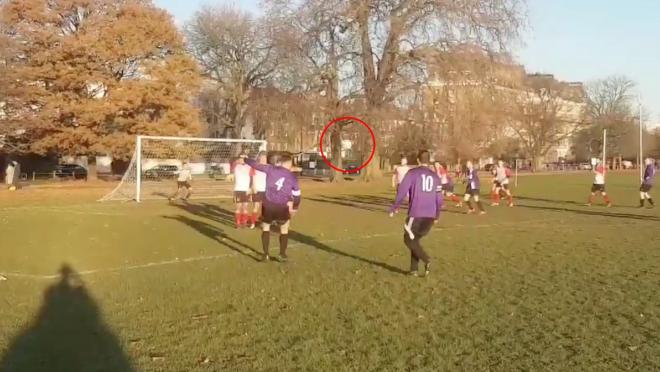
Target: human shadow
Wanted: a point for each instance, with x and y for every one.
(218, 235)
(223, 216)
(370, 203)
(310, 241)
(594, 213)
(67, 334)
(209, 211)
(346, 202)
(570, 202)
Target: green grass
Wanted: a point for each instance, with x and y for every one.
(549, 285)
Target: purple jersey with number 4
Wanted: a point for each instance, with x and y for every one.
(649, 172)
(281, 185)
(422, 187)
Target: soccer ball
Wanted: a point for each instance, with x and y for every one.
(12, 188)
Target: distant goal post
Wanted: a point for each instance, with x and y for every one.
(157, 160)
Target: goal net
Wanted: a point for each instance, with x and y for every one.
(157, 161)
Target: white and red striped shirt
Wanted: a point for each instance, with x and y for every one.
(242, 176)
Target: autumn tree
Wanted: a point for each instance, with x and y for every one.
(544, 113)
(90, 75)
(321, 62)
(611, 106)
(9, 140)
(392, 32)
(393, 36)
(236, 53)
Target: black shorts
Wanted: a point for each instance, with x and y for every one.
(182, 184)
(470, 191)
(420, 227)
(259, 197)
(274, 213)
(645, 187)
(241, 197)
(448, 187)
(501, 185)
(597, 188)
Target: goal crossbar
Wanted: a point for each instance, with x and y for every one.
(157, 161)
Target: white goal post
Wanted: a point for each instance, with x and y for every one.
(154, 168)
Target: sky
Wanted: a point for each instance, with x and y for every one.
(576, 40)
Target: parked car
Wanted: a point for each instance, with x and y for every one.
(489, 167)
(351, 166)
(217, 171)
(584, 166)
(161, 171)
(75, 171)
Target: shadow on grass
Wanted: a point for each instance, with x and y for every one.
(310, 241)
(226, 217)
(68, 334)
(218, 235)
(570, 202)
(371, 203)
(594, 213)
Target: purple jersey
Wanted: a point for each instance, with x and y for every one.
(281, 185)
(649, 173)
(473, 179)
(422, 186)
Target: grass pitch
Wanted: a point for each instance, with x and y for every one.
(548, 285)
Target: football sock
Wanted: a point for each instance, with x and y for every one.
(470, 206)
(265, 241)
(641, 202)
(651, 201)
(238, 218)
(607, 199)
(255, 217)
(284, 243)
(480, 206)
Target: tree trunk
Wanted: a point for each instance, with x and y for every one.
(92, 173)
(335, 144)
(538, 163)
(372, 172)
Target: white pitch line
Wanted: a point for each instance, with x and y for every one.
(231, 255)
(64, 210)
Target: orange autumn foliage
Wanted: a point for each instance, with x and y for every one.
(91, 74)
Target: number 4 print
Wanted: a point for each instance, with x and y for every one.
(280, 184)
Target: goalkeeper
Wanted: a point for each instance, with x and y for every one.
(183, 183)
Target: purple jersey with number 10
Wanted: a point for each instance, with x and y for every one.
(422, 186)
(281, 185)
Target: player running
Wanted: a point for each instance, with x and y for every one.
(647, 184)
(502, 174)
(242, 178)
(281, 201)
(447, 184)
(599, 185)
(258, 189)
(400, 172)
(422, 187)
(472, 189)
(183, 183)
